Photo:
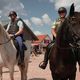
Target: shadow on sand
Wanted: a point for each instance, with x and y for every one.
(37, 79)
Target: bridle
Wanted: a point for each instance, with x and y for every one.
(70, 45)
(71, 21)
(74, 21)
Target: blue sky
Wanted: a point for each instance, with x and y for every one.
(38, 14)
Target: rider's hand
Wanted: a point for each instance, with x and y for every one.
(11, 35)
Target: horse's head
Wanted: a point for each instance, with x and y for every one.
(3, 35)
(74, 24)
(70, 29)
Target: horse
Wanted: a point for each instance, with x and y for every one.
(63, 57)
(8, 54)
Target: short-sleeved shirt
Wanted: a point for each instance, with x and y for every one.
(20, 24)
(56, 24)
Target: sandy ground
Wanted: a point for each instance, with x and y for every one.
(34, 72)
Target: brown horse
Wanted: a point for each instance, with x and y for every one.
(63, 58)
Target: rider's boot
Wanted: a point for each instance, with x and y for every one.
(44, 63)
(21, 59)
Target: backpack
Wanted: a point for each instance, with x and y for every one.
(26, 30)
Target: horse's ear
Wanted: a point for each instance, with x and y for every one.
(71, 13)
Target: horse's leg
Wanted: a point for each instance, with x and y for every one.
(64, 79)
(22, 72)
(73, 76)
(0, 73)
(11, 69)
(54, 76)
(26, 69)
(58, 78)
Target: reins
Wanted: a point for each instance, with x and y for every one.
(5, 42)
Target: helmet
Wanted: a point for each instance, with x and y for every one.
(12, 13)
(62, 9)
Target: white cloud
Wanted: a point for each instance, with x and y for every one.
(41, 21)
(64, 3)
(37, 33)
(7, 5)
(22, 5)
(46, 19)
(37, 21)
(51, 1)
(67, 3)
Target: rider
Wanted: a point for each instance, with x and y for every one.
(62, 14)
(15, 29)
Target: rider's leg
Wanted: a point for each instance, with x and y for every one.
(20, 42)
(46, 56)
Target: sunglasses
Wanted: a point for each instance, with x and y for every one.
(61, 12)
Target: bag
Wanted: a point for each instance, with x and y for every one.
(26, 30)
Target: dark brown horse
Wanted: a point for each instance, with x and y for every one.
(63, 57)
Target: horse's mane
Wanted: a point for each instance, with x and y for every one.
(75, 17)
(77, 14)
(71, 24)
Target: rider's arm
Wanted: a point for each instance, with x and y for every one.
(53, 29)
(53, 32)
(20, 24)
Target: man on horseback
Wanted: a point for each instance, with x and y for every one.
(15, 29)
(62, 14)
